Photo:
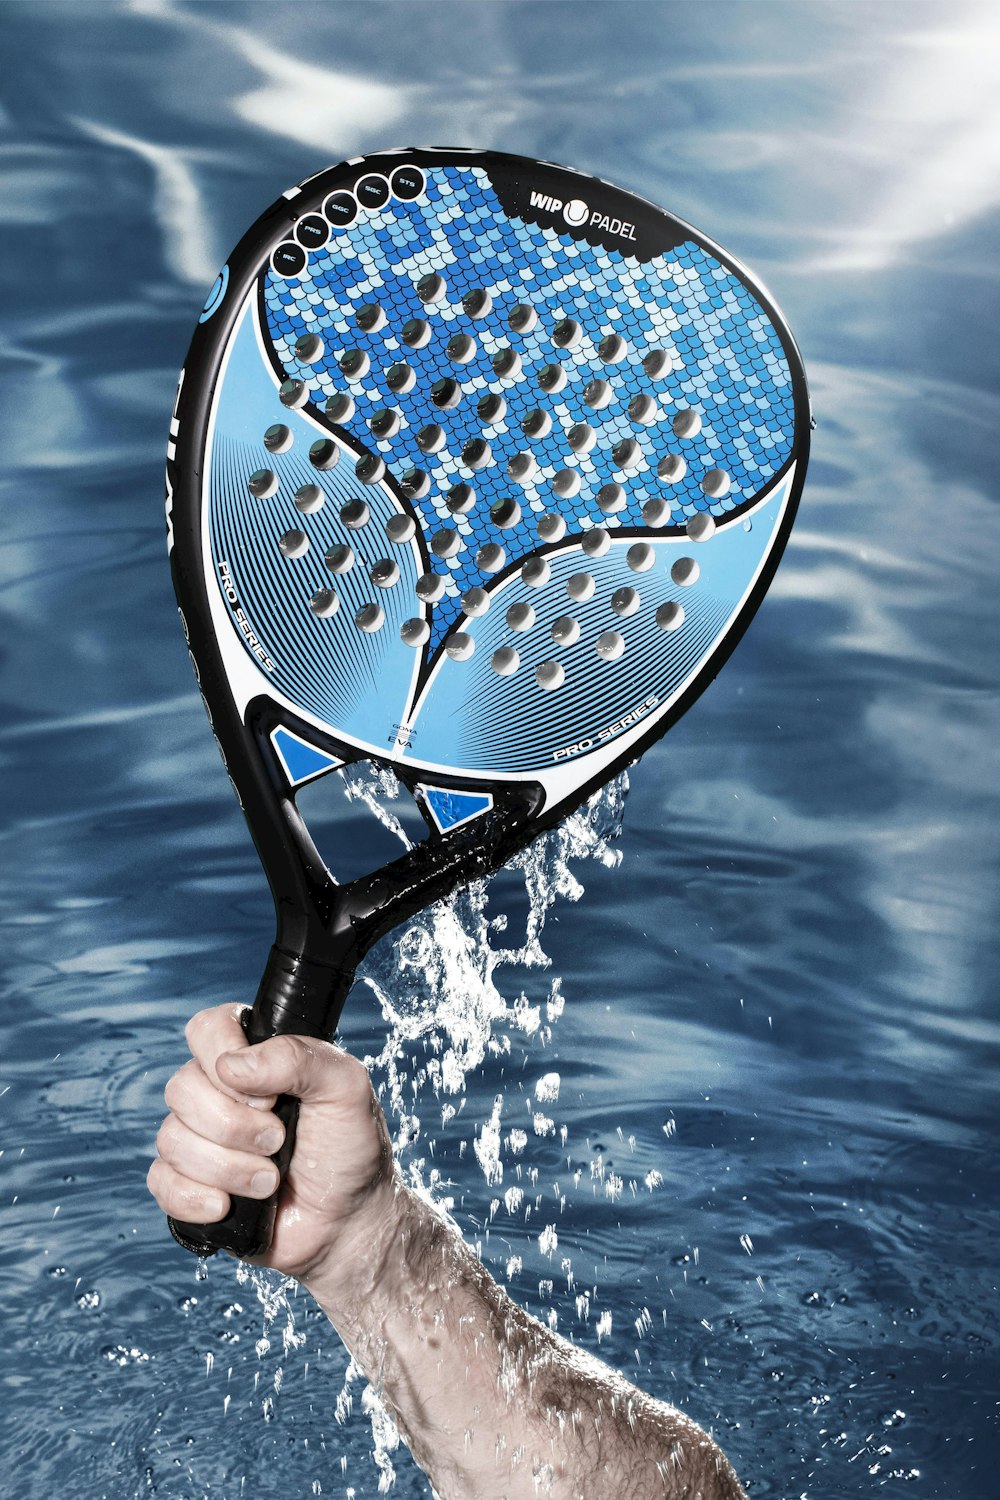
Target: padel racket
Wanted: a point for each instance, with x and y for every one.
(479, 468)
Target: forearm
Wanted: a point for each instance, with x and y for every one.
(493, 1405)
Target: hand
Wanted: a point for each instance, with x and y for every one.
(221, 1132)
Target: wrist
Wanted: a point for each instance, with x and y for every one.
(363, 1257)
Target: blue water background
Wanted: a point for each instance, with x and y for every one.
(796, 961)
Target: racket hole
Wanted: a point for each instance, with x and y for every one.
(278, 438)
(550, 675)
(460, 499)
(415, 484)
(309, 348)
(400, 529)
(536, 423)
(627, 454)
(414, 632)
(625, 602)
(491, 558)
(385, 573)
(520, 617)
(670, 616)
(522, 466)
(566, 483)
(642, 409)
(446, 543)
(355, 514)
(536, 572)
(461, 348)
(263, 483)
(522, 318)
(370, 468)
(400, 378)
(475, 602)
(565, 630)
(610, 645)
(716, 483)
(595, 542)
(506, 364)
(686, 423)
(581, 437)
(370, 618)
(340, 407)
(505, 513)
(460, 646)
(657, 364)
(656, 512)
(640, 557)
(370, 317)
(685, 571)
(309, 498)
(324, 454)
(429, 587)
(477, 303)
(551, 378)
(293, 393)
(505, 661)
(430, 439)
(446, 393)
(415, 333)
(384, 423)
(611, 498)
(671, 468)
(477, 453)
(354, 364)
(324, 603)
(491, 408)
(293, 544)
(551, 527)
(612, 349)
(700, 528)
(339, 558)
(597, 394)
(566, 334)
(581, 587)
(431, 288)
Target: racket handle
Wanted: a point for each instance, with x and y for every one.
(298, 998)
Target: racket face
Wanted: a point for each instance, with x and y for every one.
(479, 469)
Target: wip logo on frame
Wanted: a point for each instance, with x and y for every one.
(577, 213)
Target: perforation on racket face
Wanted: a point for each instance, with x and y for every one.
(464, 406)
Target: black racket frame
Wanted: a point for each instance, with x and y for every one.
(323, 930)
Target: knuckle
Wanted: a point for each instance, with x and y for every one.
(178, 1092)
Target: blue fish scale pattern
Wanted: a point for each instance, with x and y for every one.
(726, 364)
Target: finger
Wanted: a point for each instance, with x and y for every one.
(190, 1201)
(213, 1166)
(315, 1072)
(220, 1117)
(215, 1031)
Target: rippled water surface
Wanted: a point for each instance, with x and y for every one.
(772, 1162)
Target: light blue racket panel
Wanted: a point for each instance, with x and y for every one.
(356, 682)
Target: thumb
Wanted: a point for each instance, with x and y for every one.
(314, 1071)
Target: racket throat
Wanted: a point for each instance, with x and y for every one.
(299, 996)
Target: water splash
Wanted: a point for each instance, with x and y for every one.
(438, 983)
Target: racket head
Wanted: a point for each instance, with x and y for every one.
(479, 469)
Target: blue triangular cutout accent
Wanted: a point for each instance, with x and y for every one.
(301, 761)
(451, 808)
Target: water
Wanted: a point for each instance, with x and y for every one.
(774, 1028)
